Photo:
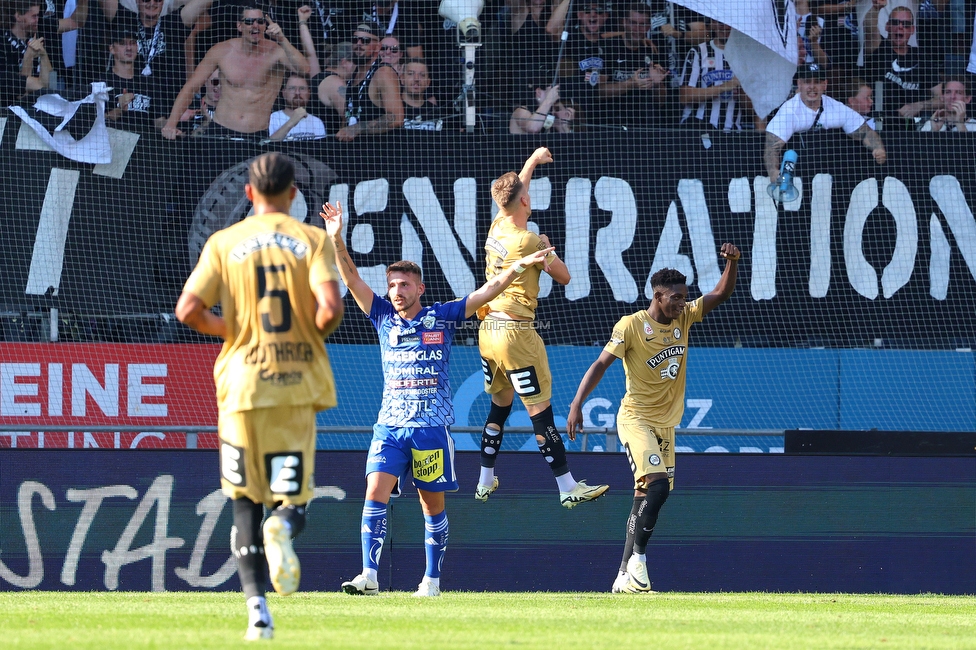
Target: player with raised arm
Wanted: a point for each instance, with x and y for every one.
(652, 344)
(513, 355)
(411, 435)
(277, 285)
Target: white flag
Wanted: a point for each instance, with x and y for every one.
(759, 28)
(95, 147)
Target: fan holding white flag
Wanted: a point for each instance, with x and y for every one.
(759, 27)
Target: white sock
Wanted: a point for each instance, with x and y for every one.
(566, 482)
(642, 558)
(487, 478)
(371, 574)
(434, 581)
(257, 610)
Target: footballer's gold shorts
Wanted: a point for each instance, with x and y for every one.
(268, 455)
(514, 356)
(649, 448)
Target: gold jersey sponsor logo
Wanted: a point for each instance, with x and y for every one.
(279, 352)
(665, 354)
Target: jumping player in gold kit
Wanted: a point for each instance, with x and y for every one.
(513, 355)
(653, 344)
(277, 284)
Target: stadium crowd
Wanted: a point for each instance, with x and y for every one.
(305, 69)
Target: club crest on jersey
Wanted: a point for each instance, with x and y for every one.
(654, 460)
(671, 372)
(429, 320)
(677, 333)
(648, 330)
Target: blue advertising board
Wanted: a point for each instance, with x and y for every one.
(156, 520)
(740, 389)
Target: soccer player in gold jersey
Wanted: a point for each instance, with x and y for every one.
(513, 355)
(653, 345)
(277, 284)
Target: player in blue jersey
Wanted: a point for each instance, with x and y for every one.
(411, 436)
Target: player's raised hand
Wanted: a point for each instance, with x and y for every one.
(332, 216)
(304, 13)
(730, 252)
(542, 156)
(574, 422)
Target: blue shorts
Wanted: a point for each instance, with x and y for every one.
(425, 453)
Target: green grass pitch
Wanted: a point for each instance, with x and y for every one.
(492, 620)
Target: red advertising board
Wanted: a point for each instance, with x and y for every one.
(97, 385)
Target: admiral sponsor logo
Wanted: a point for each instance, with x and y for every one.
(413, 355)
(279, 352)
(432, 338)
(266, 240)
(414, 370)
(428, 464)
(665, 354)
(282, 378)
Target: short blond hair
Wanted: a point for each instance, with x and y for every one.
(506, 189)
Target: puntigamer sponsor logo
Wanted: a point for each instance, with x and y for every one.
(664, 355)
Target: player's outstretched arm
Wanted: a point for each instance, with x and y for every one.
(192, 312)
(330, 309)
(574, 423)
(540, 156)
(332, 215)
(726, 284)
(493, 288)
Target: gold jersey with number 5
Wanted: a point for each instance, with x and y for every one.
(262, 271)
